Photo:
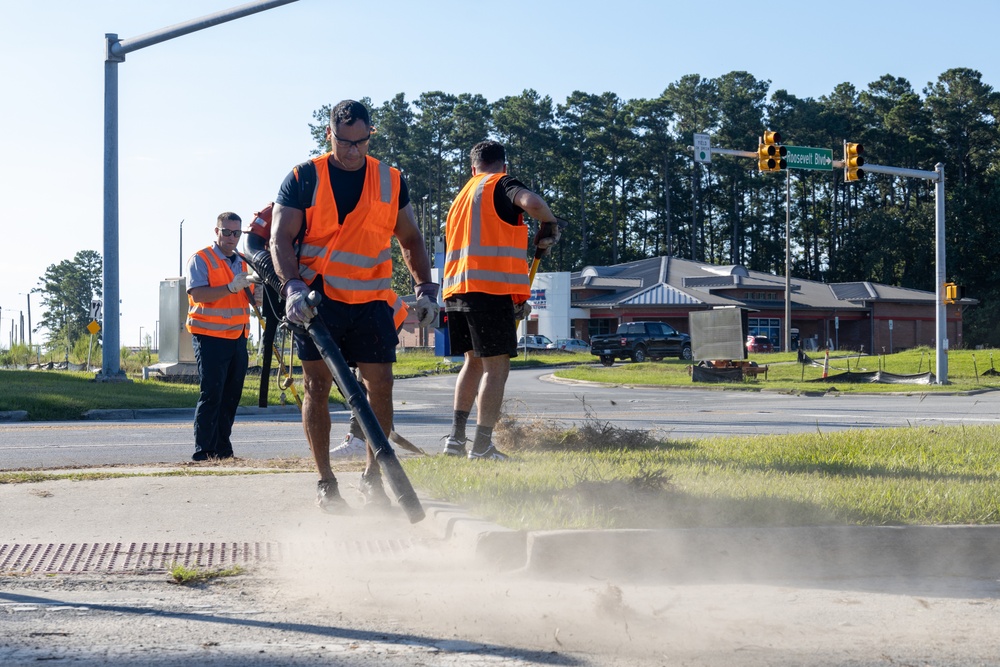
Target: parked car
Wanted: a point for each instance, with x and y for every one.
(759, 344)
(534, 342)
(570, 345)
(641, 340)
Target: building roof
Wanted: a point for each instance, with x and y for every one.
(666, 281)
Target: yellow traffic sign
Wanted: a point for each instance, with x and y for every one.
(93, 327)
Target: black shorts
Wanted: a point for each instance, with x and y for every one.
(364, 332)
(487, 333)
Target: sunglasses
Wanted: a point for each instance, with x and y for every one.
(347, 143)
(230, 232)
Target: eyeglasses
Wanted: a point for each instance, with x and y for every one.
(346, 143)
(230, 232)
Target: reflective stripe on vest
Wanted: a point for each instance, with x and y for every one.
(473, 263)
(228, 317)
(354, 258)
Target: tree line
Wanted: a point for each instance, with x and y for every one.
(622, 171)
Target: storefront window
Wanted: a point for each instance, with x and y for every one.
(765, 326)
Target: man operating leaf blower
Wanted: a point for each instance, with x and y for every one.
(343, 208)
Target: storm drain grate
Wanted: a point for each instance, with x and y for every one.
(152, 557)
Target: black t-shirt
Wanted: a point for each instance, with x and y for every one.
(297, 192)
(503, 201)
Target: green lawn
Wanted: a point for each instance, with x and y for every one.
(965, 372)
(873, 477)
(61, 395)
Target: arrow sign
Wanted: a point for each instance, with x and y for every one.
(804, 157)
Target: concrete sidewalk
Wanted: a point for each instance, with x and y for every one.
(245, 515)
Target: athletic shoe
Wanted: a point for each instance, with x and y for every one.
(328, 497)
(351, 448)
(490, 454)
(371, 488)
(454, 447)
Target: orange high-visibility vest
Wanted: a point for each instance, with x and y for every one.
(354, 258)
(484, 253)
(228, 317)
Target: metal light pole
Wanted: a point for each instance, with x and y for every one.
(788, 262)
(941, 309)
(115, 52)
(423, 228)
(140, 338)
(180, 251)
(28, 295)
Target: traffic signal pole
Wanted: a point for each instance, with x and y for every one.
(941, 308)
(115, 50)
(937, 176)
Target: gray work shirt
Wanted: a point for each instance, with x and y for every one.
(198, 271)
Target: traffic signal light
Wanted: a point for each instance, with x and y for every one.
(953, 292)
(770, 154)
(853, 162)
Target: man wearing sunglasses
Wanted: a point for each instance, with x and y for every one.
(219, 321)
(332, 227)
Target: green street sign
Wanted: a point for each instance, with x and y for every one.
(803, 157)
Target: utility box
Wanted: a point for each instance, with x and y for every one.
(176, 351)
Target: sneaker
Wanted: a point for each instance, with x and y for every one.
(454, 447)
(328, 497)
(351, 448)
(491, 454)
(373, 491)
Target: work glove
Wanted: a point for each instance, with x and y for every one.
(521, 311)
(426, 308)
(548, 235)
(297, 311)
(240, 282)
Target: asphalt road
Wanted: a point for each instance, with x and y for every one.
(423, 415)
(434, 605)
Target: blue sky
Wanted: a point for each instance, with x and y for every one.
(212, 121)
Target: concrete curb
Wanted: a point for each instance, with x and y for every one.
(183, 413)
(491, 544)
(763, 554)
(711, 554)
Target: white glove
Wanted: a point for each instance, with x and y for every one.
(522, 310)
(426, 308)
(241, 281)
(297, 311)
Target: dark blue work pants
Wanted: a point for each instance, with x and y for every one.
(222, 365)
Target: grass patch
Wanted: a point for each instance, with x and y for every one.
(208, 468)
(67, 395)
(186, 576)
(582, 479)
(965, 372)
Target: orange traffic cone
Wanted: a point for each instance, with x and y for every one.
(826, 364)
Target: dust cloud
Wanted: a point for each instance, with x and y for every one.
(373, 574)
